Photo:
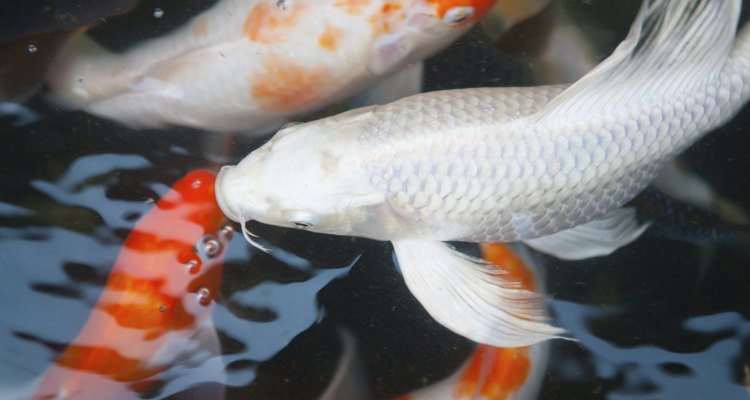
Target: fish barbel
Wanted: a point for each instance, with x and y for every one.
(247, 65)
(548, 165)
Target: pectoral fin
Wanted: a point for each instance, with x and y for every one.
(597, 238)
(472, 298)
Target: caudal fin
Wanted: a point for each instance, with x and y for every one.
(674, 46)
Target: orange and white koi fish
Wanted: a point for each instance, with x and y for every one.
(249, 65)
(156, 305)
(490, 373)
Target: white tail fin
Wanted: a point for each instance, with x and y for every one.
(673, 46)
(471, 297)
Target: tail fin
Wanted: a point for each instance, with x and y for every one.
(673, 46)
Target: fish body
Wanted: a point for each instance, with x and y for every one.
(481, 165)
(504, 164)
(156, 305)
(245, 65)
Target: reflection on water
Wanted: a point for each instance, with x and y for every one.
(656, 320)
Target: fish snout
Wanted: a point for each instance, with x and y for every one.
(221, 191)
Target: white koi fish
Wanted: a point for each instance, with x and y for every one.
(547, 165)
(248, 65)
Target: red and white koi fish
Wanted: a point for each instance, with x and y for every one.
(156, 305)
(490, 373)
(248, 65)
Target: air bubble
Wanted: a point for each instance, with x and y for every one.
(204, 296)
(192, 266)
(210, 246)
(31, 49)
(227, 231)
(197, 183)
(158, 13)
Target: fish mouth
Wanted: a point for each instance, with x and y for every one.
(221, 197)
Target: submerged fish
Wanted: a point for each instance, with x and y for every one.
(31, 33)
(674, 219)
(490, 373)
(547, 165)
(156, 305)
(245, 65)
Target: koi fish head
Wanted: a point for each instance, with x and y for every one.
(409, 31)
(306, 177)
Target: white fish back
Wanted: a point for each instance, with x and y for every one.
(507, 164)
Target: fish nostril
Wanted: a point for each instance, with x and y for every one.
(220, 191)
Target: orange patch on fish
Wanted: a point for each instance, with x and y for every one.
(104, 361)
(480, 6)
(330, 38)
(285, 86)
(354, 7)
(200, 27)
(498, 373)
(267, 23)
(503, 257)
(386, 17)
(509, 369)
(390, 7)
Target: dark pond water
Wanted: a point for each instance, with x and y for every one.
(659, 319)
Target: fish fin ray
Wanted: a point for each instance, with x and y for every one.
(673, 46)
(471, 297)
(597, 238)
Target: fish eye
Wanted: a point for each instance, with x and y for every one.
(301, 219)
(457, 15)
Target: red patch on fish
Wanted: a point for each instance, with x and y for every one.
(159, 289)
(285, 86)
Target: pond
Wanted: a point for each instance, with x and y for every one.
(658, 319)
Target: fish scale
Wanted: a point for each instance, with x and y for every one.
(595, 162)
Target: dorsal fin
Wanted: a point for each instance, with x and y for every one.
(673, 46)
